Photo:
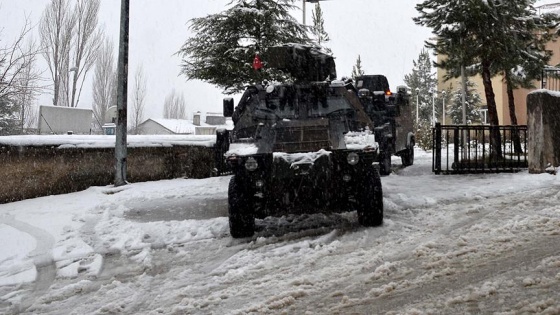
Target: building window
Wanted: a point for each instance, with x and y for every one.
(484, 114)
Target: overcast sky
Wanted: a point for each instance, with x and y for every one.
(382, 32)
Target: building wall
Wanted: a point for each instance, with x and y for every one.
(207, 131)
(30, 172)
(215, 120)
(61, 120)
(500, 90)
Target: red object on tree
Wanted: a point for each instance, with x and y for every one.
(257, 63)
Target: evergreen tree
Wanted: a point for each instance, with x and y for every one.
(483, 35)
(8, 117)
(527, 54)
(357, 69)
(472, 105)
(422, 82)
(225, 44)
(318, 28)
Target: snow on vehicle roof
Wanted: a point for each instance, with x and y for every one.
(360, 140)
(300, 158)
(242, 149)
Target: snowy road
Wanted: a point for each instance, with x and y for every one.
(476, 244)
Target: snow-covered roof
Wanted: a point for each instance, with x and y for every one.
(186, 126)
(179, 126)
(549, 8)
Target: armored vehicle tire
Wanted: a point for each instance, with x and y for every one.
(369, 200)
(385, 163)
(407, 157)
(240, 208)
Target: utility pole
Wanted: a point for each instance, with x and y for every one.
(463, 81)
(303, 9)
(122, 88)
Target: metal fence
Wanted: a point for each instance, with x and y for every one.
(551, 79)
(465, 149)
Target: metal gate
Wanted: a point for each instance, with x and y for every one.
(468, 149)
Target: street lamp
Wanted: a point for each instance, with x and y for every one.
(434, 95)
(417, 98)
(443, 97)
(303, 6)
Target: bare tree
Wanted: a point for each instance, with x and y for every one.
(138, 98)
(28, 81)
(104, 82)
(85, 46)
(56, 38)
(174, 106)
(18, 80)
(72, 41)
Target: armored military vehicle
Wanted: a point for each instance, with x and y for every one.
(300, 146)
(392, 116)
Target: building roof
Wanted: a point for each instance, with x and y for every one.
(549, 8)
(185, 126)
(179, 126)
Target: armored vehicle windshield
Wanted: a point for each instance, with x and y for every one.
(311, 101)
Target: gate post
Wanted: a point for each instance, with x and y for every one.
(437, 149)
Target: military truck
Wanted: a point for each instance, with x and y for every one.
(300, 146)
(392, 116)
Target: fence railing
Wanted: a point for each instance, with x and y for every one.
(551, 79)
(464, 149)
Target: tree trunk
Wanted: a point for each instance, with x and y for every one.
(74, 103)
(495, 138)
(56, 90)
(516, 139)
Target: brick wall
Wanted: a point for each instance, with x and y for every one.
(543, 128)
(28, 172)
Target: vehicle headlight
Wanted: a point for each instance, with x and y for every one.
(353, 158)
(251, 164)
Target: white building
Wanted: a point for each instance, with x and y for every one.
(160, 126)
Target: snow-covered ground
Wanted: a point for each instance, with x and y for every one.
(475, 244)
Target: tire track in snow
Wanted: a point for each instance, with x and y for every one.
(408, 297)
(41, 256)
(406, 261)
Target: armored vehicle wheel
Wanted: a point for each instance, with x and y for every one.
(407, 157)
(369, 200)
(385, 163)
(240, 208)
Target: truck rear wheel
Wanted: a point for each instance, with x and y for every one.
(407, 157)
(385, 163)
(240, 208)
(369, 199)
